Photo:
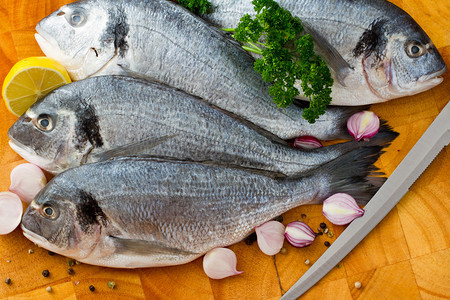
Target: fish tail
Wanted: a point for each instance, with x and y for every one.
(354, 173)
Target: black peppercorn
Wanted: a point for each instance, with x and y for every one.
(51, 253)
(70, 271)
(327, 243)
(323, 225)
(45, 273)
(92, 288)
(8, 280)
(251, 239)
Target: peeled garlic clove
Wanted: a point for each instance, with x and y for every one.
(270, 237)
(299, 235)
(11, 210)
(341, 209)
(26, 181)
(363, 125)
(307, 142)
(220, 263)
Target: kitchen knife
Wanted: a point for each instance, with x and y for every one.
(436, 137)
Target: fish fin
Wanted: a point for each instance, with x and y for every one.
(334, 59)
(354, 173)
(142, 247)
(134, 149)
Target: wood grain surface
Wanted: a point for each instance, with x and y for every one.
(406, 257)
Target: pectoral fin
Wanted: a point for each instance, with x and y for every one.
(333, 58)
(141, 148)
(145, 248)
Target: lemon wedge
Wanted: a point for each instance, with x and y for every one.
(30, 79)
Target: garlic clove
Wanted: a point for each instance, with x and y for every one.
(220, 263)
(307, 142)
(11, 210)
(299, 235)
(363, 125)
(270, 237)
(341, 209)
(26, 181)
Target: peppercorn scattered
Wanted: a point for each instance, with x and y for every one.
(71, 263)
(8, 280)
(45, 273)
(325, 230)
(303, 216)
(49, 289)
(307, 262)
(323, 225)
(51, 253)
(330, 234)
(320, 233)
(30, 251)
(338, 266)
(283, 250)
(358, 285)
(70, 271)
(92, 288)
(251, 239)
(279, 219)
(8, 261)
(327, 243)
(111, 284)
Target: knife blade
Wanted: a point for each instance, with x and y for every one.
(435, 138)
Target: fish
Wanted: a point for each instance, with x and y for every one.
(108, 116)
(375, 50)
(162, 41)
(133, 212)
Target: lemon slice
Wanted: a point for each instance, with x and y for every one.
(30, 79)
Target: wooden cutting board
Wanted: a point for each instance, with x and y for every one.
(406, 257)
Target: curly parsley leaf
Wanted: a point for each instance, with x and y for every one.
(287, 56)
(196, 6)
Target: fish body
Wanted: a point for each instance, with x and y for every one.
(162, 41)
(140, 212)
(375, 50)
(107, 116)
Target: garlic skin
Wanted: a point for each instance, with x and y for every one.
(11, 210)
(270, 237)
(26, 181)
(363, 125)
(341, 209)
(220, 263)
(299, 235)
(307, 142)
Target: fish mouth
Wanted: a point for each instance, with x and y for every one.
(40, 240)
(30, 155)
(34, 237)
(433, 77)
(47, 43)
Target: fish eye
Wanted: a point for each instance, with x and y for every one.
(49, 212)
(44, 122)
(77, 18)
(414, 49)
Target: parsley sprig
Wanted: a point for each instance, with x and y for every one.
(287, 56)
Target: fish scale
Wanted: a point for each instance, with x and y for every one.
(338, 26)
(174, 211)
(164, 42)
(131, 113)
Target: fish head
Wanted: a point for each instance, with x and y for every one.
(79, 36)
(400, 59)
(58, 222)
(46, 136)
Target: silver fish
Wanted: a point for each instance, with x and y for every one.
(107, 116)
(376, 51)
(137, 212)
(160, 40)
